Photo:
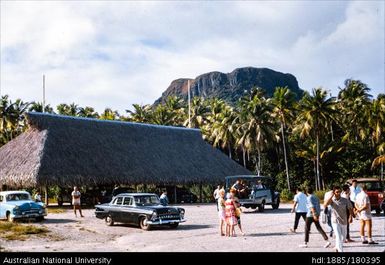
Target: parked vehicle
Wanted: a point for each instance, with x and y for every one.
(376, 192)
(141, 209)
(257, 191)
(19, 205)
(183, 195)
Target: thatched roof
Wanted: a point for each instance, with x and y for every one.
(62, 150)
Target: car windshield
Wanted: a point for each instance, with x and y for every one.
(373, 185)
(147, 200)
(18, 197)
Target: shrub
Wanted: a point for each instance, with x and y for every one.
(286, 195)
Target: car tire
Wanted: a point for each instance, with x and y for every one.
(378, 211)
(109, 220)
(261, 207)
(174, 226)
(40, 218)
(143, 223)
(276, 205)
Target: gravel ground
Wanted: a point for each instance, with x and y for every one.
(265, 232)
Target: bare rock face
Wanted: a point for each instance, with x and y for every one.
(231, 86)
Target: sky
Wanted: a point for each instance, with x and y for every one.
(118, 53)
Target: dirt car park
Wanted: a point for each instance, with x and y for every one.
(265, 232)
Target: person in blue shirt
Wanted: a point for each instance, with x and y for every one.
(164, 199)
(312, 216)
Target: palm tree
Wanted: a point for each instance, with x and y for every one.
(88, 112)
(258, 127)
(222, 127)
(283, 102)
(199, 113)
(141, 113)
(109, 114)
(12, 120)
(353, 99)
(38, 107)
(315, 117)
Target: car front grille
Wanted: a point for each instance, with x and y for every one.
(169, 216)
(32, 211)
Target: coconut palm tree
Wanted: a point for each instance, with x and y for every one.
(223, 129)
(68, 110)
(109, 114)
(283, 102)
(12, 120)
(315, 117)
(258, 127)
(353, 99)
(376, 120)
(141, 113)
(199, 113)
(38, 107)
(87, 112)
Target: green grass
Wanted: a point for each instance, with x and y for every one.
(15, 231)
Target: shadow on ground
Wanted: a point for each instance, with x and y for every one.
(267, 211)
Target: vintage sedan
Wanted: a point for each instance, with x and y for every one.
(142, 209)
(19, 205)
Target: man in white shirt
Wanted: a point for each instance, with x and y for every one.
(354, 190)
(365, 212)
(216, 195)
(299, 207)
(340, 217)
(76, 201)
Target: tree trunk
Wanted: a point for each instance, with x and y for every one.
(244, 156)
(315, 175)
(284, 153)
(259, 162)
(318, 177)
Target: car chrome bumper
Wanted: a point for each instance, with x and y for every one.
(21, 216)
(162, 222)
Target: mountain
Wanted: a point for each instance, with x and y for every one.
(231, 86)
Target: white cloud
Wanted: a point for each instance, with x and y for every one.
(118, 53)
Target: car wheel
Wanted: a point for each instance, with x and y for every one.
(174, 225)
(378, 211)
(261, 207)
(109, 220)
(276, 205)
(10, 218)
(40, 218)
(143, 224)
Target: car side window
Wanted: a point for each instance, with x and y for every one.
(118, 201)
(127, 201)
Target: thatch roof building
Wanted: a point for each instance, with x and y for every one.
(64, 151)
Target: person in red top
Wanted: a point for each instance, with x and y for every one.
(231, 220)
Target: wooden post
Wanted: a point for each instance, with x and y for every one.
(175, 194)
(46, 194)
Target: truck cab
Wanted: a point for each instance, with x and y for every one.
(254, 191)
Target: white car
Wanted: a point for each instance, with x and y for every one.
(19, 205)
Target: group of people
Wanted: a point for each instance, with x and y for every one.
(229, 211)
(341, 205)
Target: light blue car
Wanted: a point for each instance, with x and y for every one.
(19, 205)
